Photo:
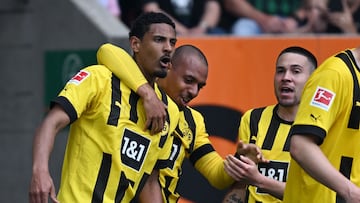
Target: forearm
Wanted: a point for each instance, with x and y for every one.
(119, 62)
(211, 14)
(151, 191)
(211, 167)
(242, 8)
(236, 194)
(42, 147)
(271, 186)
(45, 137)
(146, 92)
(350, 29)
(310, 157)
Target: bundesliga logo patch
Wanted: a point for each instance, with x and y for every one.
(322, 98)
(79, 77)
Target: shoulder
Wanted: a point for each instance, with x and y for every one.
(97, 70)
(196, 114)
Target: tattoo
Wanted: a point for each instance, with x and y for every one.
(233, 198)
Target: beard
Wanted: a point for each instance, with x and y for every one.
(161, 73)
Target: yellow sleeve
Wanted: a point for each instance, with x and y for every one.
(118, 61)
(211, 166)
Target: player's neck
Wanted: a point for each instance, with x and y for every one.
(287, 113)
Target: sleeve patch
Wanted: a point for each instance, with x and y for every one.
(322, 98)
(79, 77)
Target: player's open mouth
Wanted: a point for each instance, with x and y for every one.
(183, 101)
(164, 61)
(286, 90)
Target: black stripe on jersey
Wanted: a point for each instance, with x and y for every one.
(167, 193)
(200, 152)
(133, 100)
(273, 129)
(102, 179)
(309, 130)
(191, 123)
(161, 164)
(351, 56)
(271, 132)
(170, 162)
(123, 185)
(354, 120)
(345, 169)
(66, 105)
(254, 120)
(165, 101)
(287, 144)
(114, 114)
(247, 194)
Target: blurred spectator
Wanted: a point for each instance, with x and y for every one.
(336, 16)
(130, 10)
(112, 6)
(271, 16)
(343, 16)
(192, 17)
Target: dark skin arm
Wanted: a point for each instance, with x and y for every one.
(151, 193)
(155, 109)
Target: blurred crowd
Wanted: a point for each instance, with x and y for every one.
(246, 17)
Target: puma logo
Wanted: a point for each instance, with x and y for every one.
(314, 117)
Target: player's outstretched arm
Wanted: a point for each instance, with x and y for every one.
(118, 61)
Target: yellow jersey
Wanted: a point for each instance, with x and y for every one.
(329, 110)
(108, 156)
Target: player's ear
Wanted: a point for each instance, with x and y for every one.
(135, 43)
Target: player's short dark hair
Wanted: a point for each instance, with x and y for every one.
(301, 51)
(185, 49)
(142, 23)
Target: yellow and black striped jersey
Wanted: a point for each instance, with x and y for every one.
(263, 127)
(109, 155)
(191, 141)
(329, 110)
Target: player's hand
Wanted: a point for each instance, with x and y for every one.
(251, 151)
(155, 109)
(242, 169)
(41, 188)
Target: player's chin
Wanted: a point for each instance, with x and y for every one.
(161, 73)
(287, 103)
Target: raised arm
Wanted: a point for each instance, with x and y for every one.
(118, 61)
